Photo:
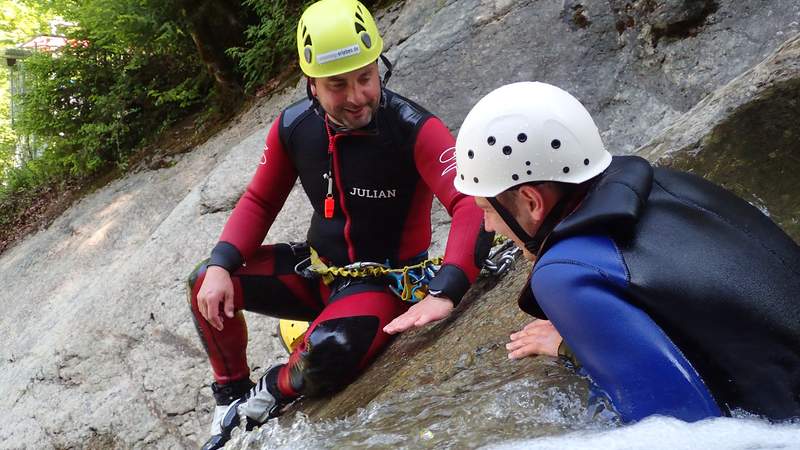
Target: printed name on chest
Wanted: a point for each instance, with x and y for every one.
(373, 193)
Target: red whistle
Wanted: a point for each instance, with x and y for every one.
(329, 207)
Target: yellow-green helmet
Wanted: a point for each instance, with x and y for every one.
(335, 37)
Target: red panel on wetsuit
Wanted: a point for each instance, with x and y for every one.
(265, 195)
(434, 155)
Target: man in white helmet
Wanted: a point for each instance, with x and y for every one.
(677, 297)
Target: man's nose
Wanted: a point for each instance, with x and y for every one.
(354, 95)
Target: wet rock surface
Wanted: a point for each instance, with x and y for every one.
(745, 136)
(100, 348)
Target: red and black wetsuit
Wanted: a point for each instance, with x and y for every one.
(384, 179)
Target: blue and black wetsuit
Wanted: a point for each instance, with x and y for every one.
(678, 297)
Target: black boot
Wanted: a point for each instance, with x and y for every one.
(261, 403)
(226, 417)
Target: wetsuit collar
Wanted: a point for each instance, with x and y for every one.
(615, 201)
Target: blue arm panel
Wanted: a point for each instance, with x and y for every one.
(580, 284)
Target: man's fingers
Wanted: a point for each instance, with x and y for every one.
(213, 317)
(522, 353)
(201, 306)
(228, 304)
(521, 334)
(535, 324)
(513, 345)
(401, 323)
(212, 314)
(422, 320)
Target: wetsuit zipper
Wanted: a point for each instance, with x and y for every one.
(334, 173)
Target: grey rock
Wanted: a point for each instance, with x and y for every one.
(745, 136)
(100, 348)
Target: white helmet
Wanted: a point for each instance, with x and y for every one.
(525, 132)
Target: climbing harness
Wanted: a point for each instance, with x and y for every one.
(409, 283)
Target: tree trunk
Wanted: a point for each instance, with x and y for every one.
(215, 26)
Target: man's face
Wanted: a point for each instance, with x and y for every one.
(493, 222)
(350, 99)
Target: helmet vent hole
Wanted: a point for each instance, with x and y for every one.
(308, 40)
(366, 40)
(566, 169)
(305, 29)
(527, 163)
(462, 176)
(507, 150)
(358, 16)
(491, 140)
(522, 137)
(358, 7)
(471, 154)
(529, 172)
(515, 177)
(360, 28)
(475, 179)
(307, 54)
(555, 143)
(586, 162)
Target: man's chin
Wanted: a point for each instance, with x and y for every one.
(355, 123)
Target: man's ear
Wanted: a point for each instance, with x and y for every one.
(313, 86)
(534, 202)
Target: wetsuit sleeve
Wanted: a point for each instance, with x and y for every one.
(434, 155)
(624, 351)
(258, 207)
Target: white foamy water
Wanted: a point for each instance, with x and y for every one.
(478, 408)
(662, 433)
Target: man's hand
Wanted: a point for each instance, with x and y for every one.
(217, 290)
(539, 337)
(429, 309)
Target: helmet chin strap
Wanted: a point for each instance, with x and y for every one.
(388, 73)
(534, 243)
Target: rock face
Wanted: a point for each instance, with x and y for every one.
(100, 348)
(745, 136)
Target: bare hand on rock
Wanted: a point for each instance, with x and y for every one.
(539, 337)
(429, 309)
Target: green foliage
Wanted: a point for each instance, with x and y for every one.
(129, 71)
(7, 136)
(19, 22)
(270, 43)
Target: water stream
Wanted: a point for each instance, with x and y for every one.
(505, 407)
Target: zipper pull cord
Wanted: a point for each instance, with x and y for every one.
(329, 202)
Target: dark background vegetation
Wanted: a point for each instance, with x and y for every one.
(132, 69)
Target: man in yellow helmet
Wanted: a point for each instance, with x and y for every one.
(370, 162)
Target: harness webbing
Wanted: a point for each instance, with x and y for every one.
(410, 282)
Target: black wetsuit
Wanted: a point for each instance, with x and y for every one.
(714, 273)
(383, 181)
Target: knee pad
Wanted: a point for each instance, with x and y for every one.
(335, 352)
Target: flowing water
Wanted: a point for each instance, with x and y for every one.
(474, 409)
(479, 405)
